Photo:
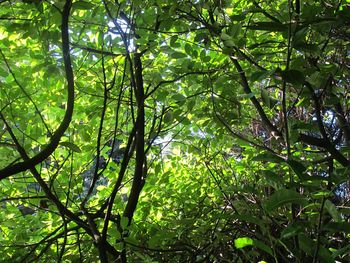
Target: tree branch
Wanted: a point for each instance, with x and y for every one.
(247, 90)
(327, 143)
(55, 139)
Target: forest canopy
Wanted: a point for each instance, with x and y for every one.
(174, 131)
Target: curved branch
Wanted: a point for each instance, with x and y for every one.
(247, 90)
(138, 180)
(344, 125)
(56, 137)
(266, 14)
(328, 145)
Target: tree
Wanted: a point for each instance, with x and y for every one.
(175, 131)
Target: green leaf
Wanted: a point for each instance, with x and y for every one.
(206, 59)
(173, 40)
(82, 5)
(332, 210)
(185, 121)
(298, 168)
(188, 49)
(242, 242)
(124, 222)
(227, 50)
(261, 75)
(168, 117)
(342, 251)
(283, 197)
(200, 36)
(269, 26)
(273, 179)
(86, 136)
(311, 48)
(338, 227)
(234, 30)
(292, 230)
(178, 97)
(203, 55)
(162, 95)
(239, 17)
(229, 43)
(225, 36)
(265, 98)
(73, 147)
(293, 76)
(3, 71)
(324, 255)
(262, 246)
(191, 104)
(178, 55)
(306, 244)
(267, 157)
(248, 218)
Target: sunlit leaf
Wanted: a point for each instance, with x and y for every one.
(243, 242)
(246, 241)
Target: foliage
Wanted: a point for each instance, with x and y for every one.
(174, 131)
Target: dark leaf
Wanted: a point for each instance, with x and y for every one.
(298, 168)
(177, 55)
(283, 197)
(82, 5)
(332, 210)
(268, 157)
(338, 227)
(293, 76)
(269, 26)
(73, 147)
